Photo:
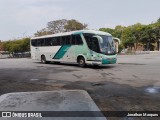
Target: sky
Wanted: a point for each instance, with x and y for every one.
(23, 18)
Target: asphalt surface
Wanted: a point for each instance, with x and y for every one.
(64, 105)
(133, 84)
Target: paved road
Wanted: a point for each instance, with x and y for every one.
(131, 84)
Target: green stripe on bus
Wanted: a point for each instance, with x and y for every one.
(106, 61)
(61, 52)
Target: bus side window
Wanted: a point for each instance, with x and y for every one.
(76, 40)
(89, 42)
(73, 41)
(92, 42)
(79, 40)
(58, 41)
(34, 42)
(68, 40)
(88, 39)
(48, 42)
(63, 40)
(40, 42)
(53, 42)
(95, 45)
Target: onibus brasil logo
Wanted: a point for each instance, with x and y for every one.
(21, 114)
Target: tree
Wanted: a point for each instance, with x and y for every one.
(130, 35)
(119, 30)
(22, 45)
(148, 37)
(42, 32)
(128, 38)
(74, 25)
(1, 46)
(158, 20)
(156, 32)
(62, 25)
(136, 32)
(57, 26)
(109, 30)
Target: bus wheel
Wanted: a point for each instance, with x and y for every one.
(43, 59)
(81, 62)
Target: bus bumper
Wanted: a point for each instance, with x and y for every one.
(94, 62)
(103, 61)
(109, 61)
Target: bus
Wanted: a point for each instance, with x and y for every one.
(85, 47)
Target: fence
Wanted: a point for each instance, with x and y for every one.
(15, 55)
(21, 55)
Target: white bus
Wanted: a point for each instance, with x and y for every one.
(82, 47)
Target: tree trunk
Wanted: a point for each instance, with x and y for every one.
(158, 45)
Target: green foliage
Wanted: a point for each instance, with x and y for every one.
(56, 26)
(61, 25)
(109, 30)
(74, 25)
(130, 36)
(120, 48)
(42, 32)
(136, 34)
(22, 45)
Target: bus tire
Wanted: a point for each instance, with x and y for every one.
(81, 62)
(43, 60)
(57, 62)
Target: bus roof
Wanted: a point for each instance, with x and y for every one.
(73, 33)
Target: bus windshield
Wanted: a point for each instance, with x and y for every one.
(100, 43)
(107, 45)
